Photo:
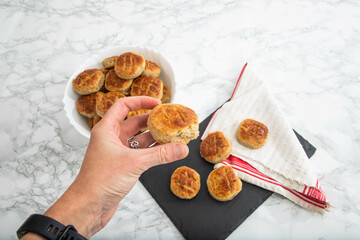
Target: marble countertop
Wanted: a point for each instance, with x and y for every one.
(308, 52)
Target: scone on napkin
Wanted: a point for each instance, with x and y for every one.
(281, 165)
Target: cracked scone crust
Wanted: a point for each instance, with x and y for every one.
(147, 86)
(215, 148)
(115, 84)
(89, 81)
(109, 62)
(86, 105)
(185, 182)
(151, 69)
(223, 184)
(129, 65)
(251, 133)
(173, 123)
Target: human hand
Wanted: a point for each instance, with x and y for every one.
(110, 168)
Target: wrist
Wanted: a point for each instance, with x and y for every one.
(77, 209)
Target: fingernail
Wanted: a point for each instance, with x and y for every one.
(181, 151)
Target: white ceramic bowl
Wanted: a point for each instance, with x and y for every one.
(79, 122)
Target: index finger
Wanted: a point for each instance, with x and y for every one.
(120, 109)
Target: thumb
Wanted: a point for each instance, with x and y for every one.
(165, 153)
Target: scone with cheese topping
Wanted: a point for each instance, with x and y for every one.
(151, 69)
(147, 86)
(215, 148)
(129, 65)
(105, 100)
(86, 105)
(223, 184)
(89, 81)
(252, 134)
(173, 123)
(115, 84)
(109, 62)
(185, 182)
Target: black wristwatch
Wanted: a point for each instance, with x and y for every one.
(48, 228)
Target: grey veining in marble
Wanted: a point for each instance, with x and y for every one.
(308, 51)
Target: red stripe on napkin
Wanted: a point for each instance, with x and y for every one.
(314, 196)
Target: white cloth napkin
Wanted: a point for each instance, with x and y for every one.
(281, 165)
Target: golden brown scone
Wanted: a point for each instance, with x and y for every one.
(86, 105)
(105, 100)
(109, 62)
(185, 182)
(93, 121)
(89, 81)
(223, 184)
(173, 123)
(147, 86)
(151, 69)
(166, 94)
(215, 148)
(115, 84)
(251, 133)
(129, 65)
(138, 112)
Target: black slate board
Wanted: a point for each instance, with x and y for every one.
(203, 217)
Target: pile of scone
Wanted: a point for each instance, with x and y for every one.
(222, 183)
(131, 75)
(126, 75)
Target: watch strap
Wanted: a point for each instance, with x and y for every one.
(48, 228)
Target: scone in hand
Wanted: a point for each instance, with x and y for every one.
(215, 147)
(251, 133)
(173, 123)
(223, 184)
(185, 182)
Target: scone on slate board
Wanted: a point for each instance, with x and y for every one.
(185, 182)
(215, 148)
(151, 69)
(173, 123)
(115, 84)
(147, 86)
(105, 100)
(129, 65)
(89, 81)
(86, 105)
(223, 184)
(251, 133)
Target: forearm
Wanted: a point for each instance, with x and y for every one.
(77, 208)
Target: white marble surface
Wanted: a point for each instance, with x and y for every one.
(308, 51)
